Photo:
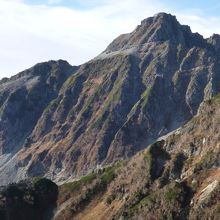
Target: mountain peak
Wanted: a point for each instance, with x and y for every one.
(162, 16)
(161, 27)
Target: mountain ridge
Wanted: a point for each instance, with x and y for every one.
(165, 27)
(144, 85)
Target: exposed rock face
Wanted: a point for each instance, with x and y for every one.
(177, 177)
(144, 85)
(24, 97)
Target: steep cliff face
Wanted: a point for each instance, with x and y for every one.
(177, 177)
(144, 85)
(24, 97)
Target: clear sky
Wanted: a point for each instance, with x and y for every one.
(33, 31)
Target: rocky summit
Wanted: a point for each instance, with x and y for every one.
(63, 122)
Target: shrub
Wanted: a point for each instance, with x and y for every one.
(172, 194)
(110, 199)
(108, 176)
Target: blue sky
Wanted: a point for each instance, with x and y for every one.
(204, 7)
(210, 7)
(33, 31)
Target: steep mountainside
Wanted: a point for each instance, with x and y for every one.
(23, 99)
(177, 177)
(144, 85)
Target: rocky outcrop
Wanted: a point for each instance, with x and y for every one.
(144, 85)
